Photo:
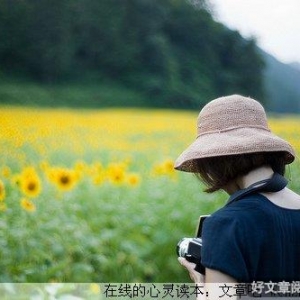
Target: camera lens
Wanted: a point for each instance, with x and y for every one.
(182, 247)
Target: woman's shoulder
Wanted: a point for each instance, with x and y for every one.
(251, 209)
(244, 206)
(286, 199)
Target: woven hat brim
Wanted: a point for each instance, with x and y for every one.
(231, 142)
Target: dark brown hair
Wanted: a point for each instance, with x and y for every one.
(217, 172)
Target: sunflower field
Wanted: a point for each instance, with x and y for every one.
(92, 196)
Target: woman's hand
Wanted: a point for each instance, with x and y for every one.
(213, 277)
(194, 275)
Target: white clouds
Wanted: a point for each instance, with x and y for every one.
(275, 23)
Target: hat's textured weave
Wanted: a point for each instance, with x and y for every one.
(232, 125)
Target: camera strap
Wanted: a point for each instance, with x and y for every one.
(274, 184)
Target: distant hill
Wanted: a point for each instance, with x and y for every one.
(171, 52)
(295, 65)
(166, 54)
(282, 85)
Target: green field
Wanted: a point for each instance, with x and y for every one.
(91, 195)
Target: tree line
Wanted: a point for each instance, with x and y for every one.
(172, 50)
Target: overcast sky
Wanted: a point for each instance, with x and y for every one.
(275, 24)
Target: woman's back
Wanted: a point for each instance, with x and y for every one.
(253, 239)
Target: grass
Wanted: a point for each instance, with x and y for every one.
(95, 93)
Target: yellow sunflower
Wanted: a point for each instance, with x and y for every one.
(64, 179)
(97, 173)
(133, 179)
(99, 178)
(30, 185)
(80, 166)
(168, 166)
(27, 205)
(116, 173)
(165, 168)
(2, 191)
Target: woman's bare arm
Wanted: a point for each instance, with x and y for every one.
(212, 281)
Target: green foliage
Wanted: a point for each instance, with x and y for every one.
(171, 51)
(82, 94)
(105, 234)
(102, 233)
(111, 232)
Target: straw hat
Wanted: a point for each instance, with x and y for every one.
(232, 125)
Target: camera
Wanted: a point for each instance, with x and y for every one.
(190, 248)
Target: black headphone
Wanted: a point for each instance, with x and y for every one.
(274, 184)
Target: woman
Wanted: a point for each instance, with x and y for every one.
(257, 237)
